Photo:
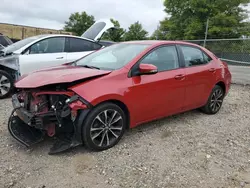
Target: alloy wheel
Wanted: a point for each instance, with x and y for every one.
(216, 100)
(106, 128)
(5, 85)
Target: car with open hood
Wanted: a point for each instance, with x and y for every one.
(4, 41)
(48, 50)
(95, 99)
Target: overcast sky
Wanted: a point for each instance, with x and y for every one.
(53, 13)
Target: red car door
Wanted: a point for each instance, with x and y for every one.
(160, 94)
(200, 76)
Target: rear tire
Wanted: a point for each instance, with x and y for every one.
(215, 101)
(104, 127)
(6, 84)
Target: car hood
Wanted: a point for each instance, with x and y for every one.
(57, 75)
(96, 31)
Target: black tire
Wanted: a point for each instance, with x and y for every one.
(107, 131)
(215, 101)
(6, 85)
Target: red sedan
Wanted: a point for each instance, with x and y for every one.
(92, 101)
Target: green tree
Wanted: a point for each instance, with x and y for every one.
(188, 19)
(135, 32)
(79, 23)
(116, 33)
(245, 29)
(161, 32)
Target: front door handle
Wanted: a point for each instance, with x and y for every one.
(59, 58)
(179, 77)
(212, 70)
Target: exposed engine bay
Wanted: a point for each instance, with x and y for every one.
(38, 114)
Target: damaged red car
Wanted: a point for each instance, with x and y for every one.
(92, 101)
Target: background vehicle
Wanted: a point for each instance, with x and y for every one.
(93, 100)
(44, 51)
(1, 47)
(4, 41)
(106, 42)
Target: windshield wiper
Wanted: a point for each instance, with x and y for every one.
(90, 67)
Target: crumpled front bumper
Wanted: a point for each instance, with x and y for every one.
(24, 133)
(19, 127)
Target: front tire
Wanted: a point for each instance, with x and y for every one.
(215, 101)
(104, 127)
(6, 84)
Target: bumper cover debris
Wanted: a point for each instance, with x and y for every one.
(24, 133)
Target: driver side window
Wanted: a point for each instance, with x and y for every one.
(50, 45)
(164, 58)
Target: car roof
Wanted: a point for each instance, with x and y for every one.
(160, 42)
(62, 35)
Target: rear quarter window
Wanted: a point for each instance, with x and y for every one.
(81, 45)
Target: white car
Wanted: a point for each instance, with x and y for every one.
(44, 51)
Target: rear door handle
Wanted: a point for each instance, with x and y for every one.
(59, 58)
(212, 70)
(179, 77)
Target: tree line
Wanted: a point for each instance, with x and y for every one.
(185, 20)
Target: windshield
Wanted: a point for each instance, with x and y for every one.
(15, 46)
(112, 57)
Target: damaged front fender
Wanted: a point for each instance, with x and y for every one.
(11, 62)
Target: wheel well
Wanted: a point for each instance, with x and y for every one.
(4, 68)
(10, 71)
(222, 85)
(123, 107)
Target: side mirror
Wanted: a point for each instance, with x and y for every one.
(147, 69)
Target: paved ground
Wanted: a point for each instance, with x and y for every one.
(240, 74)
(186, 150)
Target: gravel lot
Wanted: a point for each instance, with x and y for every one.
(186, 150)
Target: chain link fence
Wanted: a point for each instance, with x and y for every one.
(232, 51)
